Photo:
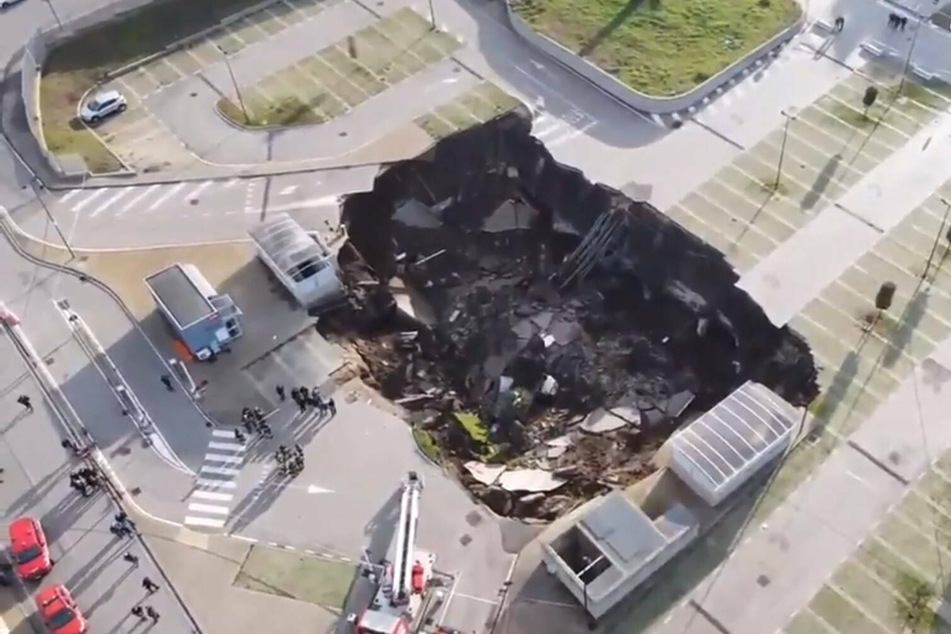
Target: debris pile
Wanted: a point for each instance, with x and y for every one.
(548, 334)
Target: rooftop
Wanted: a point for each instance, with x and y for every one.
(739, 428)
(294, 251)
(176, 288)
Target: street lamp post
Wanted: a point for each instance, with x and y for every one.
(937, 237)
(52, 220)
(911, 50)
(55, 15)
(789, 115)
(432, 15)
(234, 82)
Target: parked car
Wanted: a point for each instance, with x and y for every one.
(31, 553)
(9, 3)
(59, 611)
(101, 105)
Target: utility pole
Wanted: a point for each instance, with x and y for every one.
(49, 215)
(432, 15)
(55, 15)
(937, 237)
(234, 82)
(790, 115)
(911, 50)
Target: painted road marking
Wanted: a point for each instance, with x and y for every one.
(220, 433)
(211, 495)
(203, 521)
(220, 470)
(216, 484)
(88, 199)
(198, 190)
(208, 508)
(129, 205)
(109, 202)
(226, 446)
(171, 192)
(217, 457)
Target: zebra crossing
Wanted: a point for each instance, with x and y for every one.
(211, 501)
(556, 130)
(238, 195)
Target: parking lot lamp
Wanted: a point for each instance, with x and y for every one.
(790, 115)
(234, 82)
(55, 15)
(432, 15)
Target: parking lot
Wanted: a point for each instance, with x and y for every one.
(484, 102)
(869, 593)
(830, 146)
(343, 75)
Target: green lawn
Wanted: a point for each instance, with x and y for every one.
(659, 47)
(78, 64)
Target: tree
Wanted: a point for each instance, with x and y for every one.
(868, 99)
(913, 604)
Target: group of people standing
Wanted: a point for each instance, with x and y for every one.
(85, 480)
(311, 398)
(291, 461)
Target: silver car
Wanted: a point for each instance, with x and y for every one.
(101, 105)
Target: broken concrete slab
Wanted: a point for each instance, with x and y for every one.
(677, 403)
(483, 473)
(509, 216)
(628, 413)
(542, 320)
(555, 452)
(530, 481)
(600, 421)
(524, 329)
(415, 214)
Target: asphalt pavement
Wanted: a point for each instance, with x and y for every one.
(88, 557)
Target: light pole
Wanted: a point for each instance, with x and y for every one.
(432, 15)
(55, 15)
(937, 237)
(234, 82)
(52, 220)
(789, 115)
(911, 50)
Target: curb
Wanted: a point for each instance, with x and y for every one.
(329, 556)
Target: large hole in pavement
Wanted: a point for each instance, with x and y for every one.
(500, 297)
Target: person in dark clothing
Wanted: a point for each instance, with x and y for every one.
(332, 406)
(24, 400)
(167, 382)
(280, 393)
(138, 611)
(152, 614)
(149, 585)
(132, 559)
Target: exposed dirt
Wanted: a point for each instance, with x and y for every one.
(501, 298)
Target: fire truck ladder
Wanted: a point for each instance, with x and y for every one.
(406, 540)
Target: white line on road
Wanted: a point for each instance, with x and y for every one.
(198, 190)
(88, 199)
(216, 484)
(226, 446)
(211, 495)
(166, 196)
(220, 471)
(217, 457)
(231, 183)
(70, 194)
(204, 521)
(287, 191)
(208, 508)
(101, 208)
(129, 205)
(221, 433)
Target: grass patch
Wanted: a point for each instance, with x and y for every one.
(284, 574)
(470, 422)
(660, 47)
(76, 65)
(426, 443)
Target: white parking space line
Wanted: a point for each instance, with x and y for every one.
(231, 183)
(227, 446)
(109, 202)
(220, 470)
(215, 457)
(208, 508)
(193, 195)
(204, 521)
(216, 484)
(287, 191)
(161, 199)
(211, 495)
(129, 205)
(88, 199)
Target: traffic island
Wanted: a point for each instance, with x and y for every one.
(658, 49)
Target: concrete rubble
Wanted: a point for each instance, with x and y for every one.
(556, 326)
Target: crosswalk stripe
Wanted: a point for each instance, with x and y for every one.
(70, 194)
(216, 484)
(231, 183)
(171, 192)
(290, 189)
(222, 433)
(129, 205)
(220, 470)
(211, 495)
(226, 446)
(208, 508)
(101, 208)
(88, 199)
(217, 457)
(198, 190)
(204, 521)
